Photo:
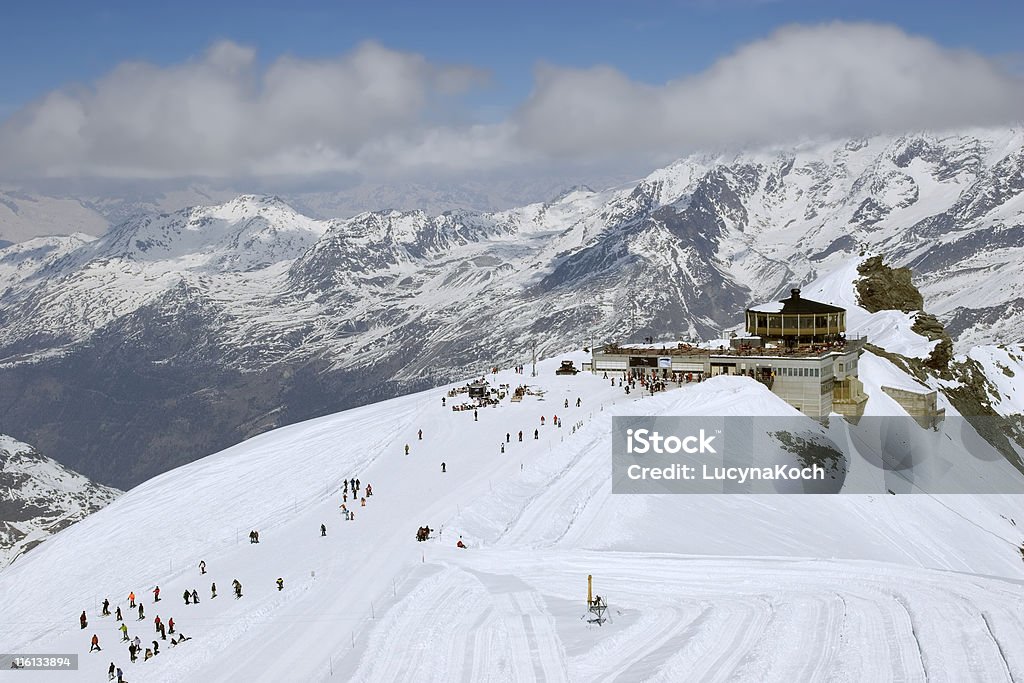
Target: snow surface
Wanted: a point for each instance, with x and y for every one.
(749, 588)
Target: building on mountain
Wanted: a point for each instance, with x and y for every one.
(479, 389)
(796, 321)
(796, 347)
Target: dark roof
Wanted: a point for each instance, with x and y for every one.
(795, 304)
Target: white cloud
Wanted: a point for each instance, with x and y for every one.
(802, 81)
(221, 115)
(376, 111)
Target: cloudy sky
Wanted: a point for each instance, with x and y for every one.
(386, 90)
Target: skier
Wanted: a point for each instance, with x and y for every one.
(357, 488)
(163, 631)
(124, 631)
(238, 588)
(195, 597)
(110, 672)
(131, 652)
(170, 625)
(95, 644)
(508, 437)
(138, 644)
(142, 613)
(520, 435)
(541, 420)
(420, 434)
(213, 590)
(120, 675)
(362, 502)
(474, 415)
(186, 595)
(502, 448)
(407, 449)
(579, 402)
(369, 490)
(202, 566)
(280, 584)
(536, 434)
(131, 599)
(156, 624)
(442, 402)
(156, 648)
(148, 656)
(118, 614)
(106, 607)
(444, 468)
(82, 619)
(323, 529)
(566, 403)
(460, 544)
(156, 594)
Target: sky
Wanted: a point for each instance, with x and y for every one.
(258, 89)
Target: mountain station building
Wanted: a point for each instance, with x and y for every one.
(796, 347)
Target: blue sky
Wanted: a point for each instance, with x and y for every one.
(139, 90)
(50, 44)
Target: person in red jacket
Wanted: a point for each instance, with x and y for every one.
(156, 594)
(131, 599)
(170, 625)
(82, 620)
(95, 644)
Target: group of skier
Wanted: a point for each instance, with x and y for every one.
(135, 646)
(352, 486)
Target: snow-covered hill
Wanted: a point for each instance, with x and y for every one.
(39, 498)
(701, 587)
(301, 317)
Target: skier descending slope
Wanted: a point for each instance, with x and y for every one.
(238, 588)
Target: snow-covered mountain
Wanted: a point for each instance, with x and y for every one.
(700, 587)
(219, 322)
(39, 498)
(24, 216)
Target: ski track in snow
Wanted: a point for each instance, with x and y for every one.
(369, 603)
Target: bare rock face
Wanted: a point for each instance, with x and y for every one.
(882, 288)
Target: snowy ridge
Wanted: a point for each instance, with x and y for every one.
(775, 588)
(41, 497)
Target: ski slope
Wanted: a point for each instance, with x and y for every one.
(701, 587)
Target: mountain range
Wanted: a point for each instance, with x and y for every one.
(176, 334)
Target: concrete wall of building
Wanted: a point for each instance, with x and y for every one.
(922, 406)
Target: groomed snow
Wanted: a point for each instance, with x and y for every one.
(748, 588)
